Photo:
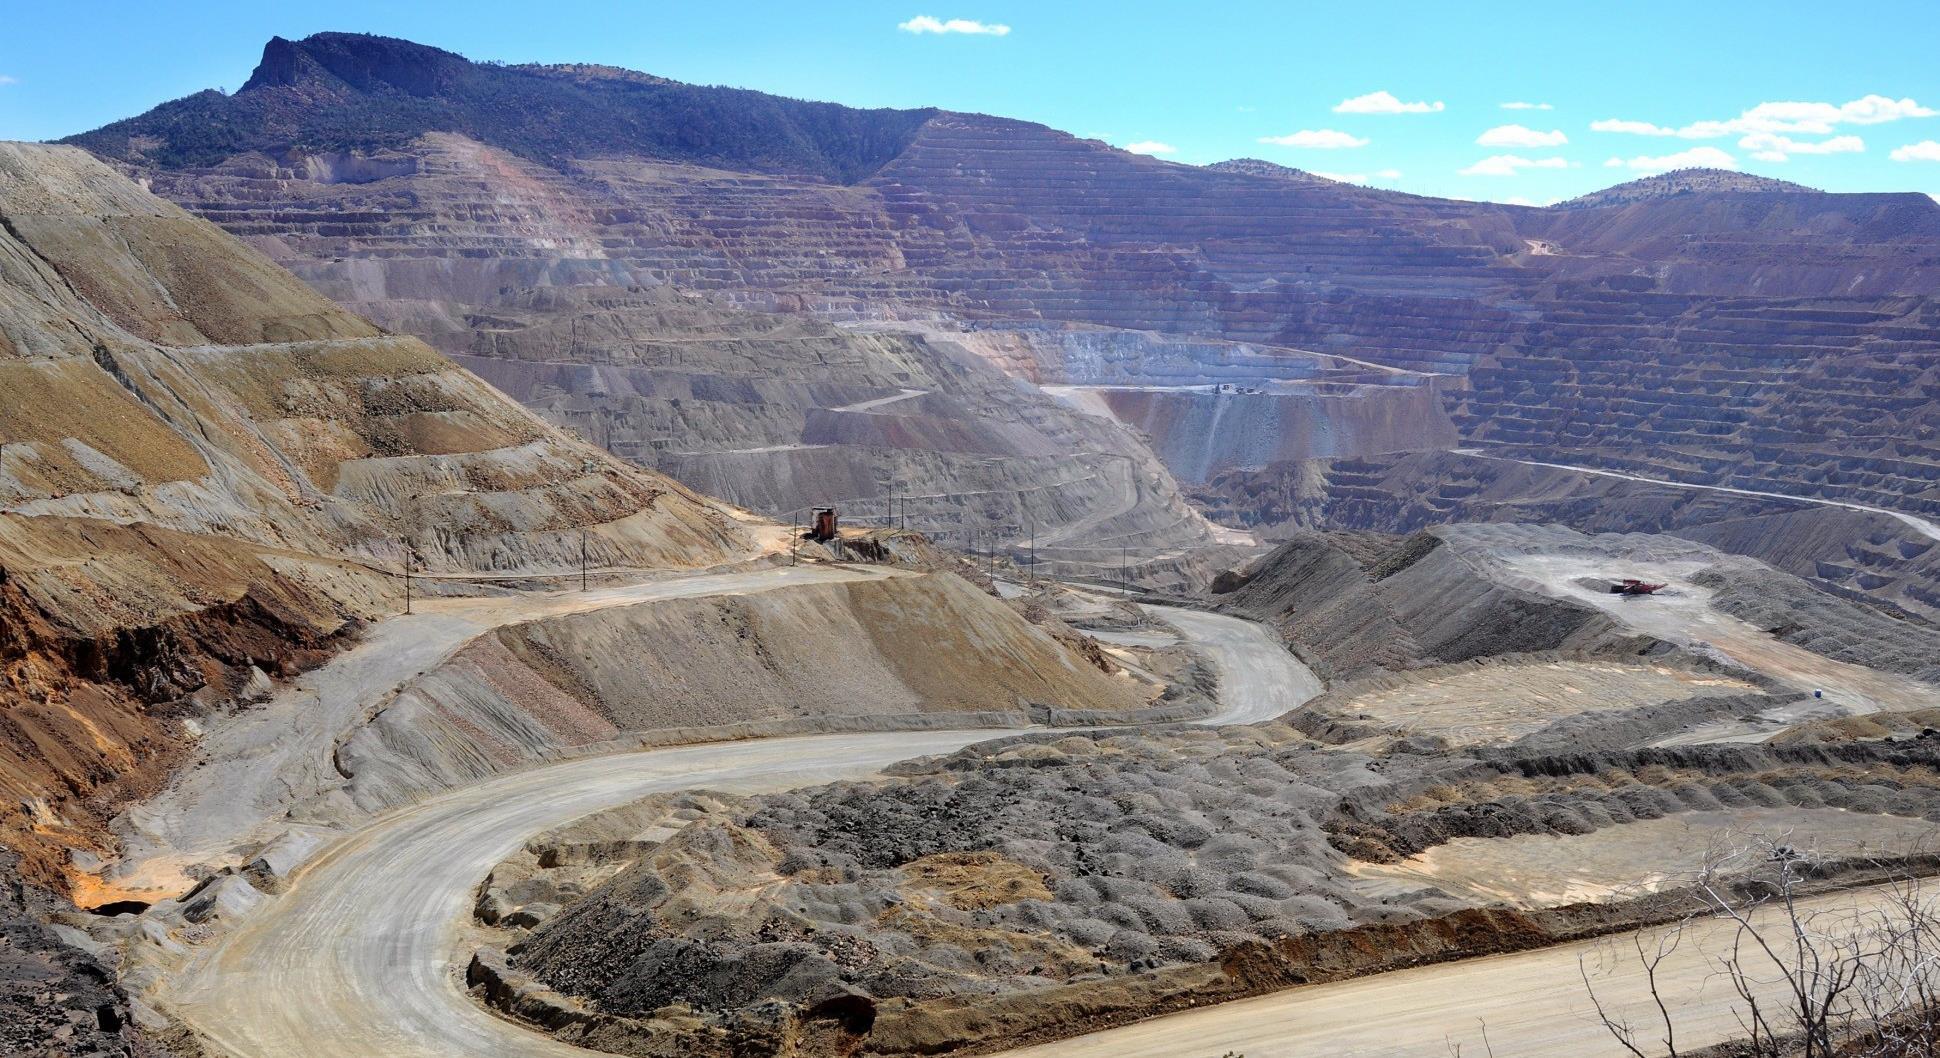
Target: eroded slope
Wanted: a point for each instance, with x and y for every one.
(208, 469)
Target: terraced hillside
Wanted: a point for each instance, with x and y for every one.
(211, 476)
(488, 244)
(1856, 553)
(1759, 334)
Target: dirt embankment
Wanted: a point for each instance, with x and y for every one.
(1045, 885)
(1865, 554)
(1354, 604)
(925, 650)
(1875, 635)
(110, 662)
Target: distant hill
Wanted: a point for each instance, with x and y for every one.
(1260, 167)
(1681, 182)
(358, 93)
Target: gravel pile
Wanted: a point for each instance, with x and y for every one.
(1037, 861)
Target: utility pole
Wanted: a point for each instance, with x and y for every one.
(582, 558)
(1125, 565)
(1033, 551)
(407, 577)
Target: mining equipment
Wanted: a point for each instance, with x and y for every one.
(1633, 586)
(822, 526)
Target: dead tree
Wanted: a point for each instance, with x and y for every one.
(1853, 981)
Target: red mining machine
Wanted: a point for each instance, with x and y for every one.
(1633, 586)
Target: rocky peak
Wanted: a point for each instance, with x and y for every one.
(360, 61)
(355, 93)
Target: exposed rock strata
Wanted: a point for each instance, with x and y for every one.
(1731, 332)
(209, 474)
(1848, 552)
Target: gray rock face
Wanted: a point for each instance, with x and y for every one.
(55, 997)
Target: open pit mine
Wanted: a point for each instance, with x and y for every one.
(546, 560)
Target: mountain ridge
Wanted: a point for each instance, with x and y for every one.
(396, 90)
(362, 93)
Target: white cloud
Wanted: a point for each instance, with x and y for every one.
(1384, 103)
(1923, 151)
(1770, 147)
(1151, 147)
(1389, 174)
(1345, 178)
(1810, 119)
(1866, 110)
(1527, 106)
(970, 26)
(5, 80)
(1511, 164)
(1518, 136)
(1695, 158)
(1316, 139)
(1634, 128)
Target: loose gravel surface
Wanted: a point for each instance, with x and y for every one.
(362, 954)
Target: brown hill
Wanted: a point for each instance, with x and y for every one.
(208, 470)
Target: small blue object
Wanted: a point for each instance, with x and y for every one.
(1818, 694)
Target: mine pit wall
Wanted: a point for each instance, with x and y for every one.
(1353, 613)
(1198, 433)
(106, 663)
(1051, 353)
(925, 651)
(1711, 345)
(1854, 554)
(978, 452)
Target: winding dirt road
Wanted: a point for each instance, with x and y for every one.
(1920, 525)
(279, 756)
(362, 954)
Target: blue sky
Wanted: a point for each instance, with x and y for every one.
(1645, 83)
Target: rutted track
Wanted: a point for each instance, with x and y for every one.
(361, 955)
